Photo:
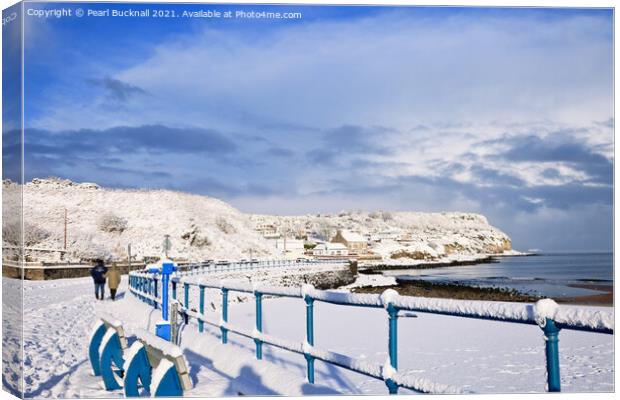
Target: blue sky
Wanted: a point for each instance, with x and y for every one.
(506, 112)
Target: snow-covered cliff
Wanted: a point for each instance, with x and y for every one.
(102, 222)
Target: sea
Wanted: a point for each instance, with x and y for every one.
(548, 275)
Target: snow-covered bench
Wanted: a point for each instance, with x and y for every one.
(157, 365)
(107, 344)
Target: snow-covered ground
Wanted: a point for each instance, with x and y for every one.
(474, 355)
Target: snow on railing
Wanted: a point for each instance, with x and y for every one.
(550, 317)
(233, 266)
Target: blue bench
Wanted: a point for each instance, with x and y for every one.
(156, 365)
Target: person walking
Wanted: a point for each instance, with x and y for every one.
(98, 273)
(114, 279)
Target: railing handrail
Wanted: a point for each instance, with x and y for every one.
(545, 313)
(524, 313)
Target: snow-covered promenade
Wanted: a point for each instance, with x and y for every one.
(473, 355)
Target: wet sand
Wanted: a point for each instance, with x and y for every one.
(421, 288)
(605, 298)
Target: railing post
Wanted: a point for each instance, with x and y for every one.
(202, 308)
(553, 356)
(224, 314)
(259, 324)
(186, 301)
(149, 289)
(392, 345)
(155, 292)
(309, 335)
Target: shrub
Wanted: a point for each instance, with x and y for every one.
(224, 225)
(33, 235)
(112, 223)
(387, 216)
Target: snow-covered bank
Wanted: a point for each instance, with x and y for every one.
(478, 356)
(101, 222)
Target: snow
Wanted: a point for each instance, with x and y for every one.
(110, 320)
(131, 353)
(543, 309)
(277, 290)
(341, 297)
(371, 280)
(473, 308)
(202, 227)
(601, 319)
(96, 327)
(470, 355)
(109, 334)
(387, 371)
(388, 297)
(424, 385)
(167, 348)
(516, 312)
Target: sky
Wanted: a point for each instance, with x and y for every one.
(507, 112)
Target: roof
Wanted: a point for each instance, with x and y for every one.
(352, 236)
(330, 246)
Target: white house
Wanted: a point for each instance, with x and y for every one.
(392, 234)
(268, 231)
(330, 250)
(290, 248)
(353, 241)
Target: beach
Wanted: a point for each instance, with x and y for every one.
(578, 278)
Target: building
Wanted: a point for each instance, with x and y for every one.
(389, 234)
(290, 248)
(330, 250)
(354, 242)
(268, 231)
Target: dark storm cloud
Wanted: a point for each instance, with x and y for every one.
(216, 187)
(506, 192)
(109, 156)
(559, 147)
(494, 177)
(349, 141)
(151, 138)
(357, 139)
(117, 90)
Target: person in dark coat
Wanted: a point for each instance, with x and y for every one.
(98, 272)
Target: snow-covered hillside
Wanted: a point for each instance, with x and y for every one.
(405, 237)
(102, 222)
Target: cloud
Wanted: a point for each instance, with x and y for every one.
(508, 113)
(279, 152)
(117, 90)
(125, 139)
(455, 69)
(559, 148)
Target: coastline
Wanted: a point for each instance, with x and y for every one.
(374, 268)
(459, 291)
(377, 268)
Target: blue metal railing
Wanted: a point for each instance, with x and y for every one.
(143, 286)
(236, 266)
